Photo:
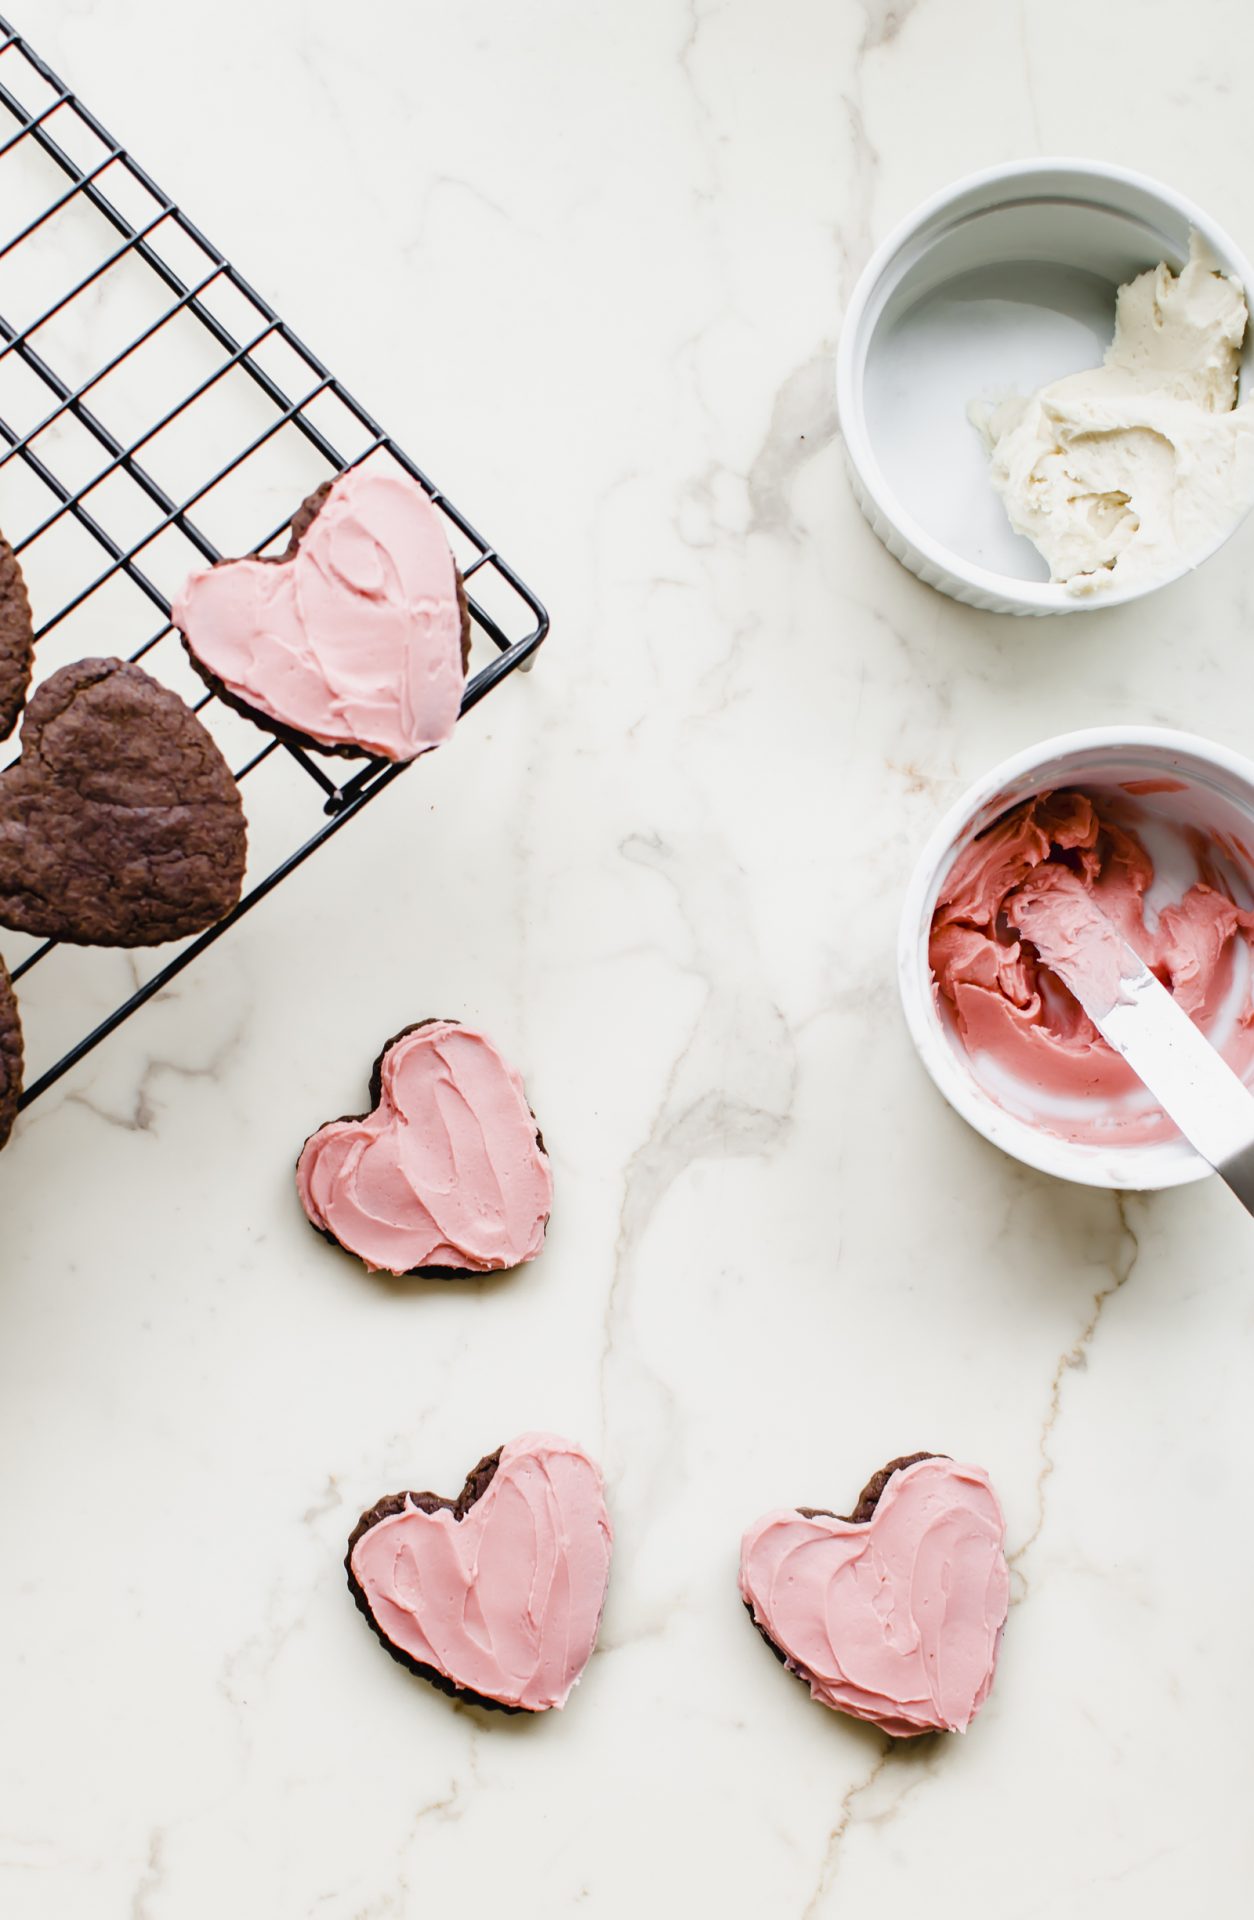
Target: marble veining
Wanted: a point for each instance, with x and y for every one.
(589, 265)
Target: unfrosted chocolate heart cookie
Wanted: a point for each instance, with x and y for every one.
(494, 1597)
(10, 1055)
(447, 1175)
(893, 1614)
(357, 639)
(120, 826)
(17, 639)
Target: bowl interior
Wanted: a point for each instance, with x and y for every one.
(1177, 785)
(984, 300)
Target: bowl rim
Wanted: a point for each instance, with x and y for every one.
(1025, 595)
(1048, 1153)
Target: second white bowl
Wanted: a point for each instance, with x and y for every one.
(1209, 787)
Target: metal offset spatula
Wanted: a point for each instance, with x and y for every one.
(1130, 1008)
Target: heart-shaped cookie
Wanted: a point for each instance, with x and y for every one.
(446, 1175)
(895, 1614)
(17, 639)
(494, 1597)
(120, 826)
(10, 1055)
(357, 639)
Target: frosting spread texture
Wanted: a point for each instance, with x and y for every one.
(353, 639)
(505, 1601)
(896, 1620)
(1072, 864)
(1129, 472)
(446, 1171)
(1058, 913)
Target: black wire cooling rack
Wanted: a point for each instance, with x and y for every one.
(155, 413)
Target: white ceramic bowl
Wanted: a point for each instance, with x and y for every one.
(1001, 283)
(1216, 793)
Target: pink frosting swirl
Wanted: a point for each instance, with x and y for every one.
(1068, 860)
(356, 640)
(445, 1172)
(896, 1620)
(506, 1601)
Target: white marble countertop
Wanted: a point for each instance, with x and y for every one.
(589, 265)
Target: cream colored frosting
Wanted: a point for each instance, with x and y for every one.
(356, 639)
(897, 1619)
(506, 1601)
(445, 1172)
(1130, 472)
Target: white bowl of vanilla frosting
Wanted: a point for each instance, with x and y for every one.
(1042, 382)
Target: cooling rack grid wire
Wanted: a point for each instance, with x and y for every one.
(155, 414)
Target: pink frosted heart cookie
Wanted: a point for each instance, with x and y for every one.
(494, 1597)
(894, 1614)
(357, 639)
(446, 1175)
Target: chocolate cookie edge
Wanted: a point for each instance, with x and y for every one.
(140, 926)
(12, 1055)
(17, 639)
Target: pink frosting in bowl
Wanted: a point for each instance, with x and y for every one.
(504, 1598)
(896, 1619)
(1189, 802)
(1073, 856)
(446, 1172)
(354, 639)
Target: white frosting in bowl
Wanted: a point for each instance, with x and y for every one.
(1130, 472)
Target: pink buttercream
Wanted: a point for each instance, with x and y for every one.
(506, 1601)
(896, 1620)
(445, 1172)
(1073, 937)
(354, 641)
(1030, 1042)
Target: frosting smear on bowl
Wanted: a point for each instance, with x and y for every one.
(1128, 473)
(1030, 1043)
